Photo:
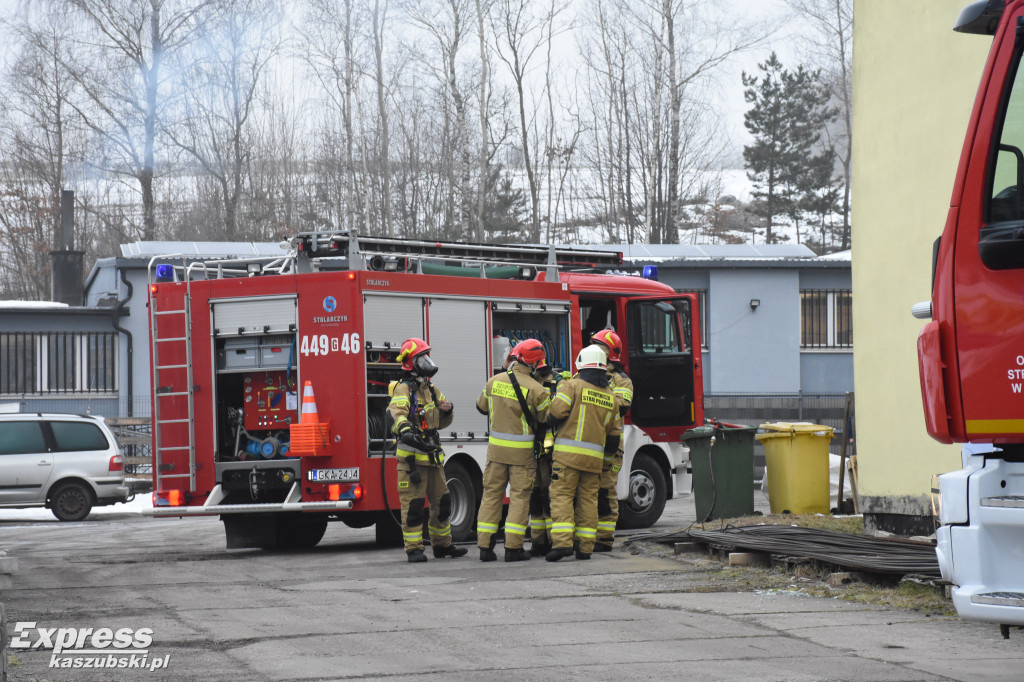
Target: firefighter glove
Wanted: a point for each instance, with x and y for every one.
(611, 444)
(413, 440)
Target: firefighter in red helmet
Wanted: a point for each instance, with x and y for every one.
(516, 407)
(622, 386)
(418, 409)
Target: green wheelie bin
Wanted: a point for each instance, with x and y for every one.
(723, 470)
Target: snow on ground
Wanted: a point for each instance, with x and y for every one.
(141, 501)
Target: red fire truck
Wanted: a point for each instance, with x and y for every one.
(971, 354)
(236, 345)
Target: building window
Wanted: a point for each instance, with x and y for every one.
(826, 318)
(58, 362)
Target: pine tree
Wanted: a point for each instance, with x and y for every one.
(506, 210)
(788, 114)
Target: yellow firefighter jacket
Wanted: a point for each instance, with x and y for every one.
(621, 385)
(591, 415)
(417, 411)
(510, 436)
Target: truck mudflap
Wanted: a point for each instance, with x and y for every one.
(982, 553)
(212, 506)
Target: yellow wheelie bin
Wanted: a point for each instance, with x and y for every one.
(796, 455)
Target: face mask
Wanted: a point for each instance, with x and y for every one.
(424, 366)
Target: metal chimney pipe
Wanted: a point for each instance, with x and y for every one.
(66, 280)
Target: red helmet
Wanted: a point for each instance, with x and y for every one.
(611, 341)
(410, 349)
(529, 352)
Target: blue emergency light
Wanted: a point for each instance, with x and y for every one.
(165, 272)
(651, 272)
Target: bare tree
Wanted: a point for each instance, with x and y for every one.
(448, 25)
(482, 8)
(235, 49)
(383, 153)
(332, 29)
(119, 67)
(522, 33)
(830, 48)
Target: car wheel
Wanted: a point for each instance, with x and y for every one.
(465, 500)
(71, 502)
(646, 494)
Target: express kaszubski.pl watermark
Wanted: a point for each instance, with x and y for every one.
(91, 648)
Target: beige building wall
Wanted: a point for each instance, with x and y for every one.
(914, 81)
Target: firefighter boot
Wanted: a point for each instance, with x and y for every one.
(516, 555)
(451, 550)
(417, 556)
(539, 548)
(602, 547)
(558, 553)
(582, 556)
(487, 554)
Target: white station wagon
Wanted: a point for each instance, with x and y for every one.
(65, 462)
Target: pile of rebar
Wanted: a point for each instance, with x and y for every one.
(892, 556)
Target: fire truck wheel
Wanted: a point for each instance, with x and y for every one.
(647, 494)
(71, 502)
(465, 499)
(359, 519)
(302, 532)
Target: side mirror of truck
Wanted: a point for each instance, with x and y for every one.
(1002, 247)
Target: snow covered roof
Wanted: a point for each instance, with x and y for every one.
(203, 249)
(32, 305)
(746, 252)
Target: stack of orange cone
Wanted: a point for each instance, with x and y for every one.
(308, 415)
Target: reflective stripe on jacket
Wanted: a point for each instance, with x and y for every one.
(591, 415)
(510, 439)
(400, 406)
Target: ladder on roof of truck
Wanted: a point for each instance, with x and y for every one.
(175, 347)
(361, 249)
(377, 253)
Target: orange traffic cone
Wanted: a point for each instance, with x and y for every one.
(309, 414)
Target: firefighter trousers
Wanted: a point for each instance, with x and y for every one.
(608, 501)
(568, 484)
(540, 503)
(519, 479)
(413, 497)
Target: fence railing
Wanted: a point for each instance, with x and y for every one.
(752, 409)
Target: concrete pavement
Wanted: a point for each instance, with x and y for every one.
(348, 610)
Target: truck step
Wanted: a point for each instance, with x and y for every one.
(999, 598)
(1016, 501)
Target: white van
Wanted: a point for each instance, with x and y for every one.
(65, 462)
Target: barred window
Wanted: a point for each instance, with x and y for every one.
(826, 318)
(58, 362)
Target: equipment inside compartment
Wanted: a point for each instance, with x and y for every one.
(257, 397)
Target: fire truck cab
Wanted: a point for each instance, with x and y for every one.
(270, 377)
(971, 353)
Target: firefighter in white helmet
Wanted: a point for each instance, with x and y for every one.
(516, 407)
(607, 498)
(583, 413)
(418, 409)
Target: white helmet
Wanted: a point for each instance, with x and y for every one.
(592, 357)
